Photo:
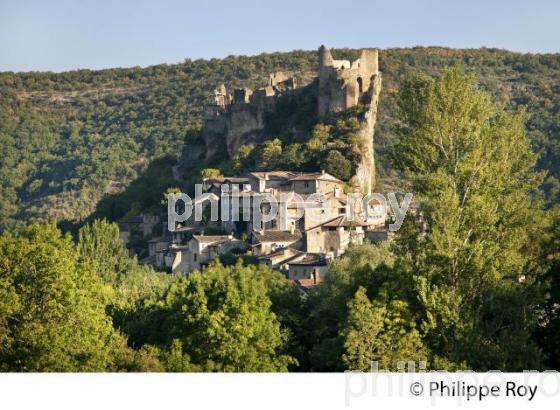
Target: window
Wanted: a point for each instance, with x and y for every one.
(194, 256)
(306, 184)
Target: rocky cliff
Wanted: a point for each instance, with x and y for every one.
(241, 117)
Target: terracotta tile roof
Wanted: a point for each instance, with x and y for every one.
(239, 243)
(277, 236)
(295, 176)
(174, 248)
(312, 176)
(180, 229)
(274, 175)
(212, 238)
(281, 256)
(280, 252)
(224, 180)
(237, 180)
(339, 221)
(310, 259)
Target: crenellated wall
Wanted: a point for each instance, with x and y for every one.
(240, 118)
(343, 85)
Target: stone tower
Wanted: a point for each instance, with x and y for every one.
(344, 84)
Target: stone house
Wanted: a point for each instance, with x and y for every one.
(299, 182)
(265, 242)
(177, 258)
(307, 270)
(141, 224)
(199, 252)
(156, 251)
(203, 249)
(278, 260)
(324, 226)
(333, 237)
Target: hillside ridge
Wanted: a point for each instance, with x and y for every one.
(61, 149)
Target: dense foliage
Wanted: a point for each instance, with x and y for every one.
(471, 281)
(67, 139)
(471, 166)
(53, 307)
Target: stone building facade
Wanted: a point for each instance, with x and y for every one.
(239, 118)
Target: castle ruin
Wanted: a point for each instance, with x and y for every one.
(233, 120)
(239, 118)
(344, 84)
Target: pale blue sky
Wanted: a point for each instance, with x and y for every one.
(62, 35)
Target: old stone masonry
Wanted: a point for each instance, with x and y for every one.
(239, 118)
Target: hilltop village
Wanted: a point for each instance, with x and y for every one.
(300, 249)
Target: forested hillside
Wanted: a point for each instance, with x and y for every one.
(68, 139)
(477, 288)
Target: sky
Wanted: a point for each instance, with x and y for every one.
(61, 35)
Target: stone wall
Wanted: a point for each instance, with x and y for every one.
(343, 85)
(239, 118)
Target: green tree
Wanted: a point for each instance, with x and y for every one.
(269, 155)
(368, 266)
(223, 320)
(53, 307)
(242, 160)
(381, 332)
(471, 166)
(336, 164)
(548, 332)
(294, 156)
(210, 173)
(101, 248)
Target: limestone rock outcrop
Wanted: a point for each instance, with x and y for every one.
(344, 84)
(239, 119)
(233, 120)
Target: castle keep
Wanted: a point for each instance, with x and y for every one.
(343, 84)
(239, 118)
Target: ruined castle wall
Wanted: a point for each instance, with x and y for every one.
(245, 123)
(342, 86)
(239, 119)
(368, 66)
